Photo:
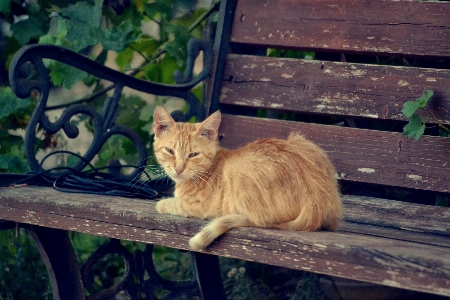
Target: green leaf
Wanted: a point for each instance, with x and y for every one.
(117, 38)
(409, 108)
(14, 161)
(147, 128)
(10, 103)
(23, 31)
(159, 7)
(123, 59)
(132, 102)
(415, 127)
(66, 76)
(168, 67)
(58, 33)
(83, 18)
(5, 7)
(198, 92)
(147, 111)
(423, 99)
(177, 46)
(81, 36)
(146, 45)
(85, 12)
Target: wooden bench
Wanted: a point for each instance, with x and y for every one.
(351, 109)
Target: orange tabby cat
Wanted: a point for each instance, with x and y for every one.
(271, 183)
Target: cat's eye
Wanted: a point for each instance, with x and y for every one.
(193, 154)
(169, 150)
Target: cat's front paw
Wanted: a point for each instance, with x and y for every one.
(165, 206)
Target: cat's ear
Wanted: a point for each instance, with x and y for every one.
(210, 127)
(162, 120)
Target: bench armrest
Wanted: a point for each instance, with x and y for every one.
(30, 61)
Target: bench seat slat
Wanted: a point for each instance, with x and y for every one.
(360, 256)
(344, 89)
(359, 155)
(395, 214)
(371, 26)
(402, 235)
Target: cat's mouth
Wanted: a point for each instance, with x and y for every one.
(178, 178)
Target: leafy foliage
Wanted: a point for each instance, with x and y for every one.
(14, 116)
(416, 123)
(247, 280)
(415, 127)
(22, 270)
(411, 107)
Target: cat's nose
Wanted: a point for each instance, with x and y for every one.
(179, 170)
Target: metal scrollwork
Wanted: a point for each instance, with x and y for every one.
(112, 247)
(134, 281)
(31, 57)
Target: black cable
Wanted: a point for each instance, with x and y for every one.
(93, 181)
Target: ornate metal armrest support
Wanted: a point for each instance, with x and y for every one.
(104, 123)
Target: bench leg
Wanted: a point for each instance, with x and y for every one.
(62, 266)
(206, 271)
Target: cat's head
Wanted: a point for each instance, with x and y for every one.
(184, 150)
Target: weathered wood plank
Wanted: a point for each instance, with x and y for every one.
(399, 263)
(359, 155)
(389, 233)
(331, 87)
(359, 210)
(402, 27)
(398, 215)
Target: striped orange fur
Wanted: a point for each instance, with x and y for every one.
(270, 183)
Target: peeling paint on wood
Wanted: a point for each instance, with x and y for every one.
(348, 89)
(366, 170)
(414, 177)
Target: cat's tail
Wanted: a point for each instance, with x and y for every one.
(216, 228)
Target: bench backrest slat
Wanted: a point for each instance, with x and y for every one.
(331, 87)
(359, 155)
(400, 27)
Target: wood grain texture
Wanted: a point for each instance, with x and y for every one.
(357, 252)
(358, 155)
(399, 27)
(331, 87)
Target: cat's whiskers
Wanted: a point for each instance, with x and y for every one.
(197, 179)
(135, 180)
(156, 171)
(209, 174)
(200, 175)
(211, 177)
(194, 178)
(151, 172)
